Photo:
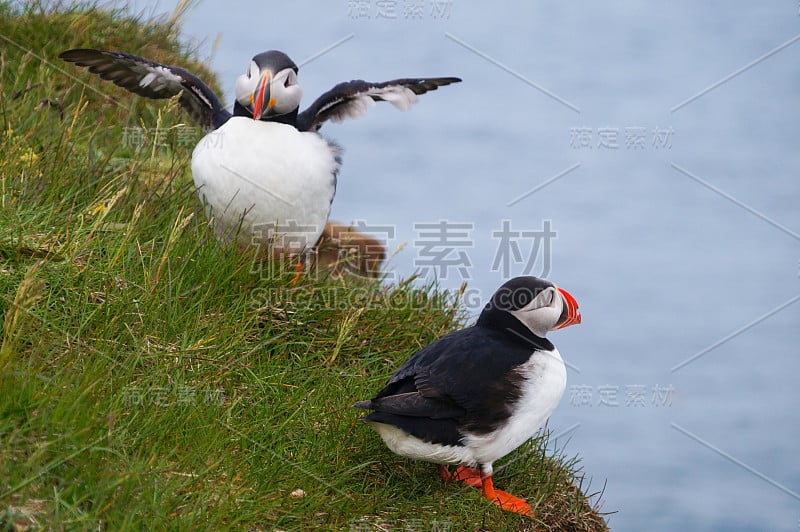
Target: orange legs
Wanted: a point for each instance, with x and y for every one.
(483, 479)
(298, 269)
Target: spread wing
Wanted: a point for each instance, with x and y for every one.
(153, 80)
(351, 99)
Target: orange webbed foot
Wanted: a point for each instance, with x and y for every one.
(512, 503)
(467, 475)
(506, 501)
(477, 479)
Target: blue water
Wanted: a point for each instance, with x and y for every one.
(678, 227)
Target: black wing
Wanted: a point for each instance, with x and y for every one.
(351, 99)
(153, 80)
(466, 376)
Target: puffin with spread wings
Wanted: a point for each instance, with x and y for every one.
(263, 169)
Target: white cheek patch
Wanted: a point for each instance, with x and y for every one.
(287, 100)
(538, 315)
(246, 85)
(244, 88)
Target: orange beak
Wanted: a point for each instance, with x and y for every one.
(573, 316)
(261, 94)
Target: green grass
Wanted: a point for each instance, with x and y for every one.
(153, 378)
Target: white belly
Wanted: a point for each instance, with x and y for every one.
(258, 177)
(404, 444)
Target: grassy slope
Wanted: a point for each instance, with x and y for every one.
(151, 377)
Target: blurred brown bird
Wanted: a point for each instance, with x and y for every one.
(342, 250)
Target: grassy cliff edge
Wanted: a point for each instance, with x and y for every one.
(153, 378)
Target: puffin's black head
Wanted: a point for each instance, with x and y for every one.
(540, 305)
(269, 87)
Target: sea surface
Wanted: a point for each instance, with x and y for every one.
(642, 155)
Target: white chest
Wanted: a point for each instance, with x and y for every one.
(255, 177)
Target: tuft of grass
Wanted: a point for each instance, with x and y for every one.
(154, 378)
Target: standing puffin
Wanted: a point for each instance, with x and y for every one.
(263, 170)
(474, 395)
